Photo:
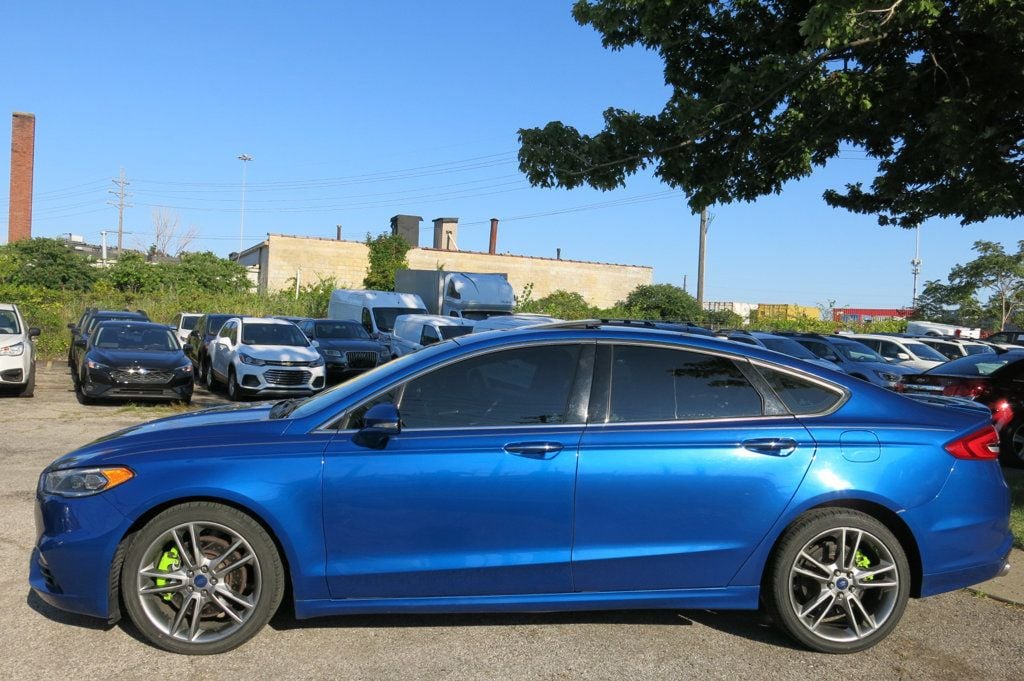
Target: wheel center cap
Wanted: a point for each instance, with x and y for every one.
(200, 581)
(842, 583)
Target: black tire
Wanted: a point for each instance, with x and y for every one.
(30, 386)
(235, 392)
(265, 575)
(783, 590)
(1011, 445)
(80, 393)
(208, 377)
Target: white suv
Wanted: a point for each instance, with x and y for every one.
(17, 352)
(257, 356)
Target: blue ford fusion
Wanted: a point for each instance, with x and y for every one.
(575, 467)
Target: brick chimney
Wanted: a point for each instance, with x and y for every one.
(23, 144)
(446, 232)
(407, 227)
(492, 248)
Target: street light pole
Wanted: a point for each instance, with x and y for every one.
(916, 266)
(244, 158)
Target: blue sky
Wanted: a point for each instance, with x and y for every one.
(354, 112)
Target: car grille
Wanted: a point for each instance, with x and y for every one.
(281, 363)
(277, 377)
(150, 377)
(361, 360)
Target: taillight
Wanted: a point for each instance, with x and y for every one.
(979, 444)
(968, 389)
(1002, 413)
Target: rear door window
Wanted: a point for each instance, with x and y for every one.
(801, 395)
(662, 384)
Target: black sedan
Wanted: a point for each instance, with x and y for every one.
(134, 361)
(345, 346)
(995, 379)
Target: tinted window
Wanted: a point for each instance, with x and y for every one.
(659, 384)
(524, 386)
(454, 331)
(428, 336)
(273, 334)
(743, 339)
(385, 316)
(9, 322)
(215, 321)
(975, 349)
(925, 352)
(188, 323)
(788, 346)
(977, 365)
(355, 417)
(948, 350)
(340, 330)
(800, 395)
(857, 352)
(135, 338)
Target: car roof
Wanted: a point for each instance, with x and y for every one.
(265, 320)
(142, 324)
(6, 306)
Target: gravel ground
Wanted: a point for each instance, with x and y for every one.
(953, 636)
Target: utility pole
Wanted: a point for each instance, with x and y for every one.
(121, 183)
(244, 158)
(916, 265)
(700, 257)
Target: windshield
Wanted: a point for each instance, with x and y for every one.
(454, 331)
(331, 330)
(9, 322)
(978, 349)
(126, 317)
(925, 352)
(188, 323)
(343, 390)
(135, 338)
(977, 365)
(273, 334)
(788, 347)
(857, 352)
(215, 321)
(385, 316)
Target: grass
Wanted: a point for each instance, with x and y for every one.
(1015, 478)
(154, 411)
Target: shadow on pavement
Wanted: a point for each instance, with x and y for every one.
(63, 617)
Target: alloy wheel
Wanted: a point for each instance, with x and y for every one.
(199, 582)
(844, 585)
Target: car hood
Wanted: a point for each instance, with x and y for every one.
(193, 431)
(898, 369)
(135, 358)
(10, 338)
(350, 344)
(281, 353)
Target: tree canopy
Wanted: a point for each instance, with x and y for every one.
(45, 263)
(386, 256)
(764, 91)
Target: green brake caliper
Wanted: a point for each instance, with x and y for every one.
(862, 561)
(169, 561)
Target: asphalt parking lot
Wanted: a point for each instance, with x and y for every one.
(953, 636)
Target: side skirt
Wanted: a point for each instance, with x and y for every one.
(729, 598)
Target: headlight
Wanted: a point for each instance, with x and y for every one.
(331, 353)
(14, 350)
(886, 376)
(318, 362)
(185, 368)
(95, 365)
(246, 359)
(384, 355)
(81, 482)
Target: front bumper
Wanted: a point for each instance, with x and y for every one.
(15, 370)
(280, 380)
(103, 384)
(70, 566)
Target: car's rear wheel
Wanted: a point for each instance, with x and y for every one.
(208, 377)
(838, 581)
(1012, 446)
(201, 578)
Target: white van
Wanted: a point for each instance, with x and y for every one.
(415, 331)
(375, 310)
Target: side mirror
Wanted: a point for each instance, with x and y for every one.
(33, 332)
(382, 421)
(902, 356)
(831, 358)
(72, 327)
(80, 343)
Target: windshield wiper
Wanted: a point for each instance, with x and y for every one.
(285, 407)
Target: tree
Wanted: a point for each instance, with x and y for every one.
(722, 319)
(133, 274)
(662, 301)
(206, 272)
(561, 304)
(764, 91)
(167, 239)
(387, 256)
(996, 273)
(45, 263)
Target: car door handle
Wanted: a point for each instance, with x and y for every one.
(776, 446)
(534, 450)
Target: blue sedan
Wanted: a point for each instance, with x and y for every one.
(575, 467)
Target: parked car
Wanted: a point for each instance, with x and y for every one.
(786, 346)
(937, 329)
(994, 379)
(131, 360)
(74, 328)
(954, 348)
(263, 356)
(906, 352)
(183, 325)
(81, 334)
(1007, 337)
(416, 331)
(563, 468)
(853, 357)
(17, 352)
(199, 340)
(345, 346)
(375, 310)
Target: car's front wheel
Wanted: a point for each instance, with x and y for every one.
(201, 578)
(208, 376)
(838, 581)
